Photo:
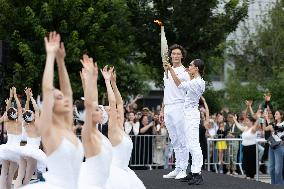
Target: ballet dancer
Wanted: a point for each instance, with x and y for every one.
(12, 119)
(63, 149)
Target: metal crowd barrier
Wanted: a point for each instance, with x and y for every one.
(230, 153)
(228, 157)
(151, 151)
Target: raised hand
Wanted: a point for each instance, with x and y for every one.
(113, 76)
(267, 97)
(235, 118)
(27, 92)
(107, 72)
(96, 69)
(52, 43)
(248, 102)
(14, 92)
(166, 65)
(85, 75)
(265, 115)
(30, 92)
(11, 92)
(139, 96)
(60, 54)
(89, 65)
(6, 101)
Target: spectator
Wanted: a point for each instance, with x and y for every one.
(131, 126)
(221, 145)
(146, 143)
(160, 141)
(249, 144)
(132, 106)
(276, 153)
(233, 132)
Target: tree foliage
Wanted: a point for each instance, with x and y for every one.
(115, 32)
(100, 28)
(198, 25)
(260, 58)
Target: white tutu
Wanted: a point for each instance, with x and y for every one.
(124, 179)
(31, 149)
(10, 150)
(35, 153)
(9, 153)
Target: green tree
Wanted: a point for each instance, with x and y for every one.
(260, 58)
(100, 28)
(195, 24)
(237, 92)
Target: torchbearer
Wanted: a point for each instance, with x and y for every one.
(172, 106)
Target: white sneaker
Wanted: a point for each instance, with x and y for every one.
(172, 174)
(235, 173)
(181, 174)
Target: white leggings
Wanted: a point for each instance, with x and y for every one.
(192, 121)
(175, 123)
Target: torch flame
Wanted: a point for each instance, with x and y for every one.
(159, 22)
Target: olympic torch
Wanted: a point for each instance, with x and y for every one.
(164, 44)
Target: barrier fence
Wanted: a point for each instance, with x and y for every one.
(231, 156)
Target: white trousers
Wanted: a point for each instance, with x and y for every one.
(192, 121)
(175, 123)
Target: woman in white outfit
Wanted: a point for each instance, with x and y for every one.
(131, 126)
(12, 119)
(121, 176)
(249, 135)
(31, 157)
(63, 149)
(98, 150)
(194, 89)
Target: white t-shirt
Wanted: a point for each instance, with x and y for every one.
(194, 89)
(172, 94)
(132, 126)
(213, 131)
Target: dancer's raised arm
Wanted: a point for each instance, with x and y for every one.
(64, 80)
(89, 76)
(111, 97)
(35, 106)
(27, 92)
(118, 98)
(19, 106)
(9, 100)
(51, 47)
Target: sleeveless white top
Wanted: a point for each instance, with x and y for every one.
(96, 170)
(248, 137)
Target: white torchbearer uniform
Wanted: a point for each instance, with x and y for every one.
(194, 89)
(173, 116)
